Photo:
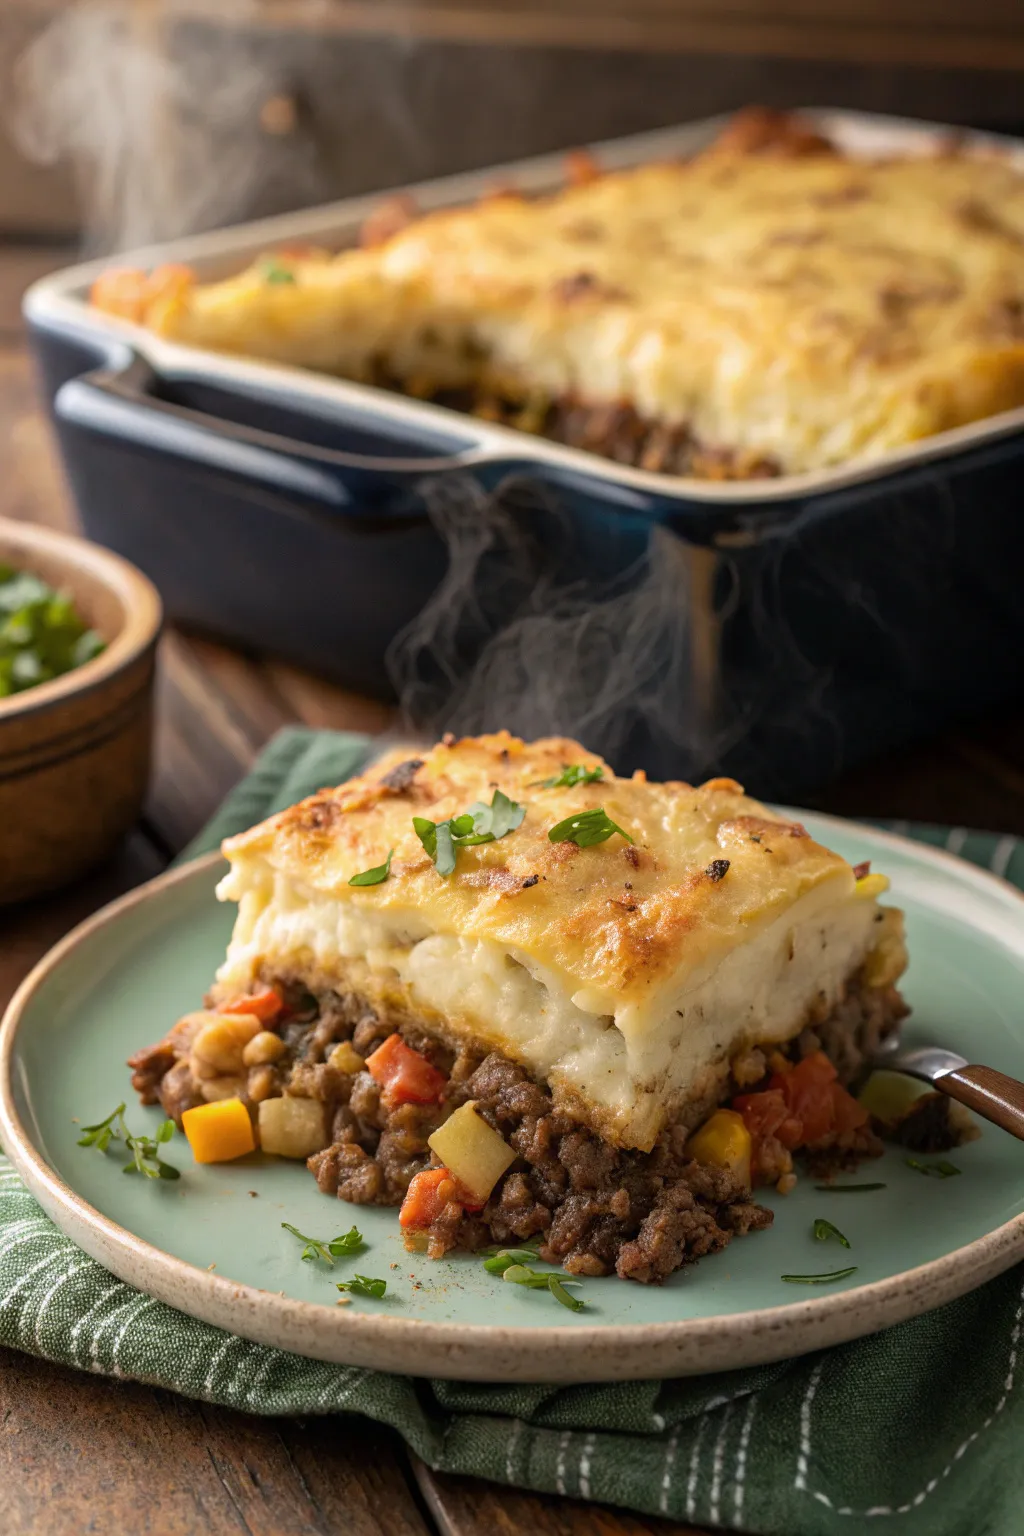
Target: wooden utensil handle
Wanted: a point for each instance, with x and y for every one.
(992, 1094)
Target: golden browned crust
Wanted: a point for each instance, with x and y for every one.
(772, 303)
(705, 866)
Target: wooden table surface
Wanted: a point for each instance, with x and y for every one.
(82, 1453)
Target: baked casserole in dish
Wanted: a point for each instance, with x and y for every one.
(769, 305)
(525, 999)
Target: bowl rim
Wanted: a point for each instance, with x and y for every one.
(143, 612)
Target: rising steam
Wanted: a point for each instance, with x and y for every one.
(158, 117)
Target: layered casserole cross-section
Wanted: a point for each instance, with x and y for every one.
(771, 305)
(524, 998)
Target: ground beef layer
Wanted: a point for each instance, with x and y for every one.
(587, 1205)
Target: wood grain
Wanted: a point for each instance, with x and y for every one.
(463, 1506)
(85, 1453)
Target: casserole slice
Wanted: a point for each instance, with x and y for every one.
(503, 987)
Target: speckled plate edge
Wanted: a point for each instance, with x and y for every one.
(574, 1353)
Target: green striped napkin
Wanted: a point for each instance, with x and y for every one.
(916, 1429)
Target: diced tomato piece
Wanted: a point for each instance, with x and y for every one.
(807, 1090)
(767, 1114)
(265, 1005)
(429, 1193)
(847, 1114)
(405, 1076)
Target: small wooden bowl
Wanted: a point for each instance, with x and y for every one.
(75, 752)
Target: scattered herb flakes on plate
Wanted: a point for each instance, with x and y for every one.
(940, 1170)
(835, 1274)
(41, 633)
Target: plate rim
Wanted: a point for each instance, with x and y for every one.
(569, 1353)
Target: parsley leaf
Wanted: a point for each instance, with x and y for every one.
(336, 1248)
(571, 775)
(823, 1230)
(273, 272)
(586, 829)
(480, 824)
(374, 876)
(504, 1259)
(145, 1150)
(363, 1285)
(941, 1170)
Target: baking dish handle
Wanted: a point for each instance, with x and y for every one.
(124, 406)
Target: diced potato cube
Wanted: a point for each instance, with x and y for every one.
(472, 1151)
(218, 1132)
(292, 1127)
(345, 1059)
(724, 1142)
(890, 1095)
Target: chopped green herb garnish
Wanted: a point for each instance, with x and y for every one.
(504, 1258)
(273, 272)
(41, 634)
(571, 775)
(836, 1274)
(516, 1272)
(559, 1292)
(586, 829)
(941, 1170)
(363, 1285)
(374, 876)
(336, 1248)
(823, 1230)
(847, 1189)
(145, 1150)
(480, 824)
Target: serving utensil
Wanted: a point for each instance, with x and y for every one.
(989, 1093)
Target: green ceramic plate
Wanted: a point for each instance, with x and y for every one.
(212, 1243)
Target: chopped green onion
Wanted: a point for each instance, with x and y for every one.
(559, 1292)
(823, 1230)
(836, 1274)
(363, 1285)
(941, 1170)
(374, 876)
(499, 1262)
(586, 829)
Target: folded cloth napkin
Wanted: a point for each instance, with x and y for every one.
(917, 1428)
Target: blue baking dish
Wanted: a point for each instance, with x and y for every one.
(779, 630)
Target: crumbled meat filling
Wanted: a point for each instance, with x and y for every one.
(592, 1207)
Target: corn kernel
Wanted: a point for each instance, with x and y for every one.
(262, 1048)
(344, 1058)
(724, 1142)
(870, 886)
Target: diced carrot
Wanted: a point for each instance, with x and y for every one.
(405, 1076)
(266, 1005)
(218, 1132)
(428, 1194)
(129, 292)
(847, 1114)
